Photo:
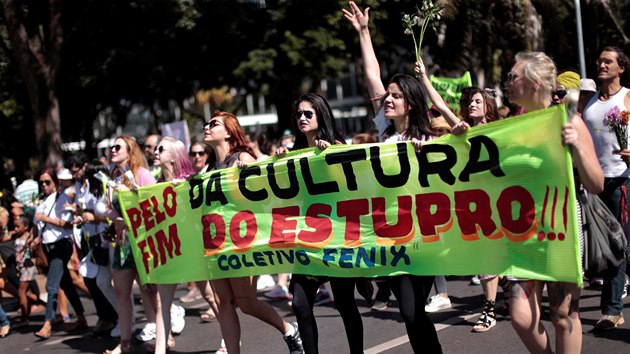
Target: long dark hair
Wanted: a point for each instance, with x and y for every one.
(419, 122)
(326, 129)
(96, 186)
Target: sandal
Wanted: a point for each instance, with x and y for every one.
(208, 316)
(45, 332)
(123, 348)
(487, 319)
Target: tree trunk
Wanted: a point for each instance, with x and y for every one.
(36, 36)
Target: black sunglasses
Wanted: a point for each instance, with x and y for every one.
(211, 124)
(115, 147)
(560, 93)
(45, 182)
(159, 149)
(197, 153)
(307, 114)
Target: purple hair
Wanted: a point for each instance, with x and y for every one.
(182, 167)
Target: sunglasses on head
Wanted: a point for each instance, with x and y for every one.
(197, 153)
(213, 123)
(116, 147)
(45, 182)
(307, 114)
(560, 93)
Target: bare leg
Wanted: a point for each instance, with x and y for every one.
(25, 308)
(228, 319)
(525, 301)
(62, 303)
(564, 302)
(123, 282)
(165, 295)
(244, 290)
(208, 295)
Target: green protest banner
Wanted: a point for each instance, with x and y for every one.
(451, 88)
(499, 199)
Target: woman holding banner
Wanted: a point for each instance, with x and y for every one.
(225, 136)
(530, 85)
(477, 106)
(175, 166)
(404, 106)
(316, 125)
(130, 172)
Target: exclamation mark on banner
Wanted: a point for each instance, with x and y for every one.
(564, 213)
(552, 235)
(541, 234)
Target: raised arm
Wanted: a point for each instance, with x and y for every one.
(576, 134)
(434, 96)
(359, 21)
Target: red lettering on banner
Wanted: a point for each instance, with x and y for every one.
(318, 218)
(170, 244)
(135, 219)
(352, 211)
(242, 244)
(159, 215)
(480, 219)
(171, 209)
(432, 224)
(282, 230)
(401, 232)
(147, 215)
(525, 226)
(213, 244)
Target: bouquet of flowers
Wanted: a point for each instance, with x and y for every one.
(424, 16)
(617, 121)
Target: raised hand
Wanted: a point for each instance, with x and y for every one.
(358, 19)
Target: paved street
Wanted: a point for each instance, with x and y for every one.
(384, 331)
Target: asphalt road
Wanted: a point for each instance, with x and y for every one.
(384, 331)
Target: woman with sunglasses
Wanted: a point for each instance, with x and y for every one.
(53, 225)
(531, 83)
(199, 156)
(225, 136)
(175, 166)
(315, 123)
(126, 155)
(404, 106)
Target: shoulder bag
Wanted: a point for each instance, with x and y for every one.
(605, 242)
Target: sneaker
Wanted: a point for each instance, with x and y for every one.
(178, 320)
(609, 322)
(192, 295)
(475, 280)
(294, 342)
(278, 293)
(222, 349)
(380, 305)
(438, 303)
(322, 297)
(147, 333)
(265, 282)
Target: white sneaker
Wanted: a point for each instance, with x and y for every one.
(438, 303)
(475, 280)
(278, 293)
(178, 320)
(222, 349)
(147, 333)
(265, 282)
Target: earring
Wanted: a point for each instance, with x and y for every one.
(227, 136)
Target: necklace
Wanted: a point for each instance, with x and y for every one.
(606, 96)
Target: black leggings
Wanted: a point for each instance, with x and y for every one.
(412, 292)
(304, 288)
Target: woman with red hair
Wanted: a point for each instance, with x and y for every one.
(225, 136)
